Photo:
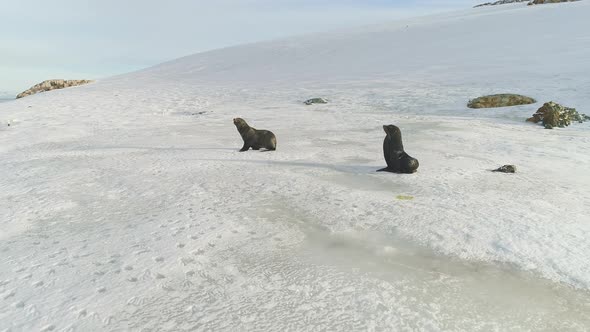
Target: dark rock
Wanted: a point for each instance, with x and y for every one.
(542, 2)
(553, 115)
(500, 100)
(315, 101)
(500, 2)
(51, 85)
(506, 169)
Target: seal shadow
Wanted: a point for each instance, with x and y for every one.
(351, 170)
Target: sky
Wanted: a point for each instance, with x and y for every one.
(89, 39)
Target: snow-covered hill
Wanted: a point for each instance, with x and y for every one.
(125, 205)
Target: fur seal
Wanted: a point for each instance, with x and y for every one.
(255, 138)
(398, 161)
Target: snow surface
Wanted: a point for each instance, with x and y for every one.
(125, 205)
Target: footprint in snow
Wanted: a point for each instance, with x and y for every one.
(186, 260)
(108, 320)
(82, 313)
(136, 301)
(198, 252)
(19, 304)
(8, 294)
(159, 259)
(48, 328)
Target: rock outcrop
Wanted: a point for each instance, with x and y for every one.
(553, 115)
(541, 2)
(500, 100)
(51, 85)
(501, 2)
(315, 101)
(506, 169)
(533, 2)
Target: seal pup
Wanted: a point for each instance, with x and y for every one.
(398, 161)
(255, 138)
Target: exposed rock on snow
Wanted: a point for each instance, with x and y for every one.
(51, 85)
(500, 100)
(534, 2)
(501, 2)
(506, 169)
(553, 115)
(315, 101)
(541, 2)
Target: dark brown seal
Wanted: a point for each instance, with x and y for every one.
(255, 138)
(398, 161)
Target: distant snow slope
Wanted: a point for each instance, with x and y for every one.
(125, 205)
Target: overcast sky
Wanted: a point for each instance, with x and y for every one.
(42, 39)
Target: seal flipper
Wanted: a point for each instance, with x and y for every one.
(246, 147)
(386, 169)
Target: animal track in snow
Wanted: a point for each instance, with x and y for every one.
(198, 252)
(108, 320)
(31, 311)
(186, 260)
(147, 274)
(82, 313)
(136, 301)
(8, 294)
(166, 287)
(143, 251)
(48, 328)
